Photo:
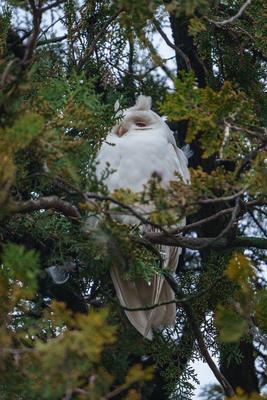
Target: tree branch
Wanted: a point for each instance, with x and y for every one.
(198, 335)
(37, 17)
(46, 203)
(131, 210)
(233, 18)
(52, 5)
(261, 228)
(52, 40)
(222, 199)
(194, 225)
(224, 232)
(173, 46)
(91, 49)
(201, 242)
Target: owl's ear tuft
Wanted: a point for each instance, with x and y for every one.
(143, 103)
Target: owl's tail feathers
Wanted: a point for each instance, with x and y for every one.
(141, 294)
(129, 296)
(162, 293)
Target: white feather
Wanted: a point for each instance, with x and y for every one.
(143, 103)
(135, 152)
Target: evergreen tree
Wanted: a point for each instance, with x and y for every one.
(63, 66)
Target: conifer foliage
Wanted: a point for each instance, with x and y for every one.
(63, 66)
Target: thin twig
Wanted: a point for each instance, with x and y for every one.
(224, 232)
(251, 156)
(152, 306)
(156, 58)
(178, 51)
(257, 223)
(222, 199)
(91, 49)
(179, 301)
(233, 18)
(52, 5)
(52, 40)
(132, 211)
(200, 340)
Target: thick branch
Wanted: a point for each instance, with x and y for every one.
(37, 17)
(201, 242)
(46, 203)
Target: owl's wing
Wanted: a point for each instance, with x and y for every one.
(181, 159)
(161, 290)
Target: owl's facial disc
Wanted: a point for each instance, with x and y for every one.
(135, 124)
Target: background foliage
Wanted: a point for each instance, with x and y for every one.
(63, 65)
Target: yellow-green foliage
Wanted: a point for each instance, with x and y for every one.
(206, 110)
(233, 318)
(241, 395)
(72, 340)
(63, 351)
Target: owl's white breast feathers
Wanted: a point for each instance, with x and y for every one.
(138, 146)
(141, 151)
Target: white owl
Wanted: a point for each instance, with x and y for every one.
(138, 146)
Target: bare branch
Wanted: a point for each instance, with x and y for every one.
(251, 156)
(131, 210)
(52, 5)
(233, 18)
(46, 203)
(261, 228)
(194, 225)
(222, 199)
(37, 17)
(178, 51)
(201, 242)
(167, 237)
(52, 40)
(200, 340)
(91, 49)
(229, 225)
(163, 237)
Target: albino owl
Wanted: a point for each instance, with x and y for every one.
(138, 146)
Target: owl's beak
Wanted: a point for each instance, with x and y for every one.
(121, 131)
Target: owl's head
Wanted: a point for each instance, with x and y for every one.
(140, 117)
